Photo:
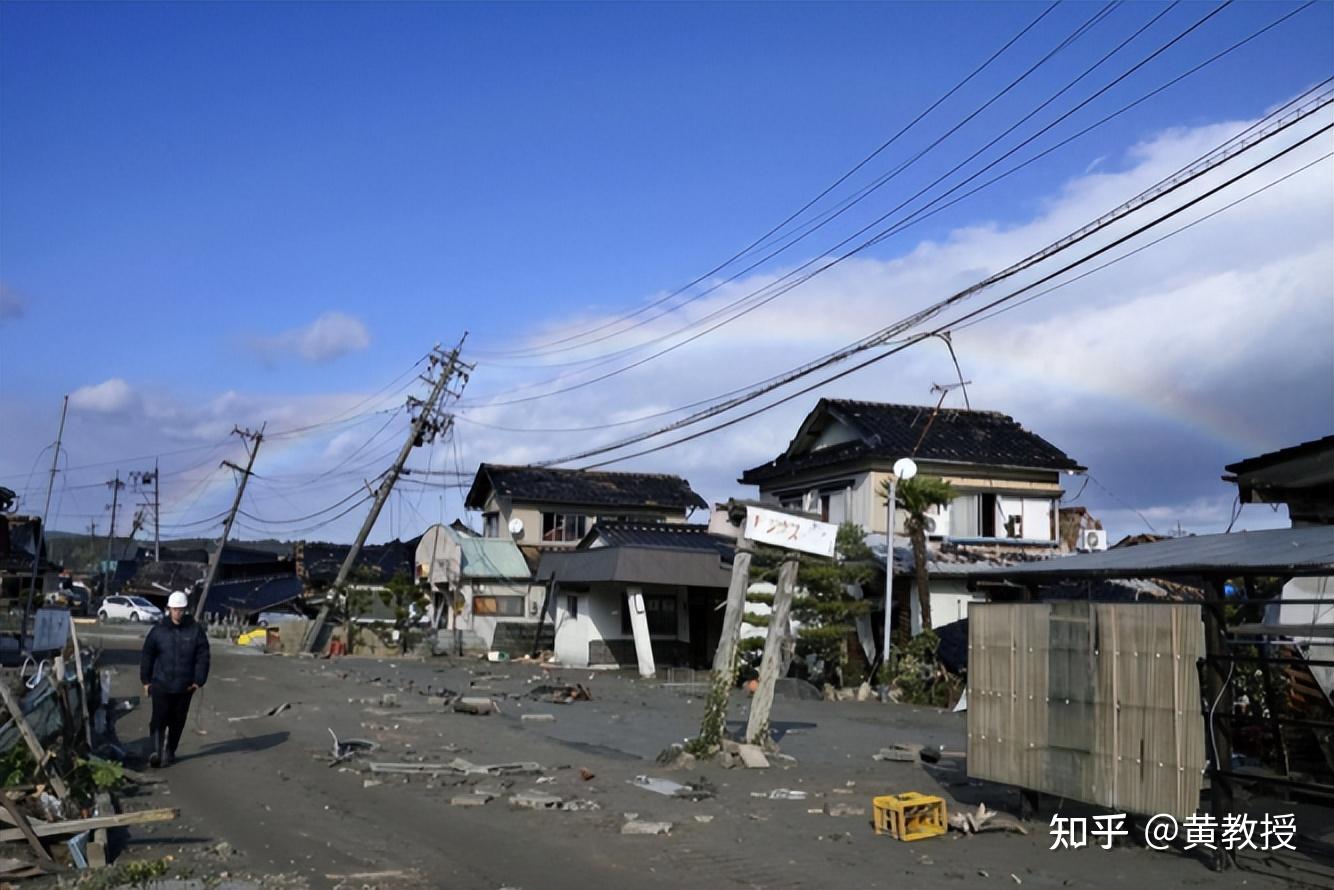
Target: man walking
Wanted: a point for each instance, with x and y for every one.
(173, 665)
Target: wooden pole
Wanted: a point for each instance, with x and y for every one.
(1218, 699)
(548, 597)
(83, 686)
(761, 705)
(40, 538)
(231, 516)
(38, 752)
(724, 659)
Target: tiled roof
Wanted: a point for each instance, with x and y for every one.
(548, 485)
(658, 536)
(1292, 452)
(889, 432)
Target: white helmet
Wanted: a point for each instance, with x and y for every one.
(178, 600)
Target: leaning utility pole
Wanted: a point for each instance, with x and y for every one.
(40, 538)
(429, 423)
(255, 439)
(115, 485)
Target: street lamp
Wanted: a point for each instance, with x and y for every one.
(905, 469)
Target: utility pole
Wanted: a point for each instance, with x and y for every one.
(142, 478)
(254, 438)
(115, 485)
(428, 423)
(39, 539)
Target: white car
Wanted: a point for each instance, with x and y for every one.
(135, 608)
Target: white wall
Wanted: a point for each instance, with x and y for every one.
(949, 602)
(1310, 589)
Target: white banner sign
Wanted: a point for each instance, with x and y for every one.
(790, 532)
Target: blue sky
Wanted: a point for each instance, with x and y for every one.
(184, 188)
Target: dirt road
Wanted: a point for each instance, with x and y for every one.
(264, 787)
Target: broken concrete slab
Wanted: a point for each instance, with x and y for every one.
(536, 800)
(844, 809)
(899, 753)
(476, 705)
(469, 800)
(646, 828)
(752, 757)
(538, 718)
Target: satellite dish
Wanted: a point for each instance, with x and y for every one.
(516, 527)
(904, 469)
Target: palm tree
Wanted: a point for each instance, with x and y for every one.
(916, 496)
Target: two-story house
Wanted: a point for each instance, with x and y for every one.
(1007, 478)
(548, 507)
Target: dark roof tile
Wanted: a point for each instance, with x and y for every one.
(892, 431)
(583, 487)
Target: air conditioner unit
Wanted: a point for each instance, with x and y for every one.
(1092, 539)
(938, 525)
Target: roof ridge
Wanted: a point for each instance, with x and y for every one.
(581, 472)
(906, 406)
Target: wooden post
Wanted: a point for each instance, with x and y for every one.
(1218, 699)
(548, 597)
(84, 703)
(724, 660)
(761, 705)
(38, 753)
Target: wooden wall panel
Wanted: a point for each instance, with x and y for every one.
(1096, 702)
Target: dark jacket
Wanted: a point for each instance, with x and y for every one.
(174, 656)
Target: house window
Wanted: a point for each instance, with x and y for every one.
(490, 525)
(563, 526)
(572, 606)
(987, 514)
(834, 503)
(660, 608)
(792, 500)
(506, 606)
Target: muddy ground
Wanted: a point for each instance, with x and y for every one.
(259, 798)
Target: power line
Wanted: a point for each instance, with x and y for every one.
(785, 284)
(839, 181)
(1153, 194)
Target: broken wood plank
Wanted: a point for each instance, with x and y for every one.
(74, 826)
(83, 686)
(38, 752)
(24, 829)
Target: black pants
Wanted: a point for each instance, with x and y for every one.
(169, 712)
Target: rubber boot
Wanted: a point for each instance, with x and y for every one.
(155, 748)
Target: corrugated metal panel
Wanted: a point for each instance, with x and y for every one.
(1280, 551)
(491, 558)
(1095, 702)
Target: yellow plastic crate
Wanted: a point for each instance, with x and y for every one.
(909, 816)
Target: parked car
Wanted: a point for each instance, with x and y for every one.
(135, 608)
(273, 619)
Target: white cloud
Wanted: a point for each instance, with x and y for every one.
(1215, 345)
(112, 396)
(331, 336)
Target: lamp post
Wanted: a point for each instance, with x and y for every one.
(905, 469)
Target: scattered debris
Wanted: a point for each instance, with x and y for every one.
(586, 774)
(900, 753)
(844, 809)
(271, 712)
(538, 718)
(459, 766)
(752, 757)
(651, 828)
(786, 794)
(704, 819)
(536, 800)
(346, 749)
(577, 805)
(984, 820)
(469, 800)
(700, 790)
(560, 695)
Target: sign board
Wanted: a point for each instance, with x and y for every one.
(790, 532)
(50, 630)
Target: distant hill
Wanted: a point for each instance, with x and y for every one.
(81, 552)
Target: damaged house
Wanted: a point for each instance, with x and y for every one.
(1007, 479)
